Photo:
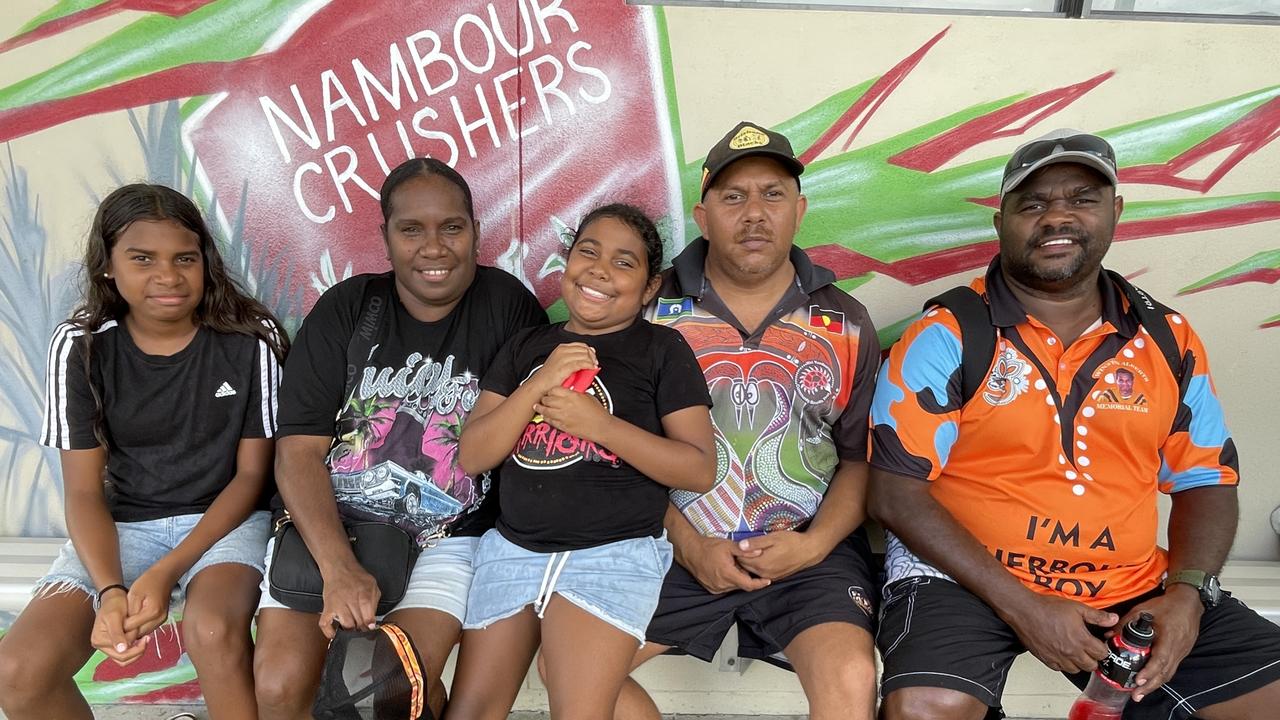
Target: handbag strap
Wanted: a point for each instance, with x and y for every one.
(370, 326)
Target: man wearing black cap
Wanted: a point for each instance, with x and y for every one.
(776, 546)
(1020, 497)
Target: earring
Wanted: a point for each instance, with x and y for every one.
(106, 275)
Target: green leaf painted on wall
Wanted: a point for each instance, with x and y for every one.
(222, 31)
(60, 9)
(1260, 267)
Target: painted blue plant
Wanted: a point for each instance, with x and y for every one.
(35, 296)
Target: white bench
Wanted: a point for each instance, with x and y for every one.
(682, 685)
(23, 561)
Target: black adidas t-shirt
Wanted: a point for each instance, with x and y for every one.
(563, 493)
(395, 424)
(172, 423)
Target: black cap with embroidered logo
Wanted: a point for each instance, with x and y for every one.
(745, 140)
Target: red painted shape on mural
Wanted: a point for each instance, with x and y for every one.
(871, 101)
(533, 156)
(845, 262)
(589, 55)
(172, 8)
(164, 652)
(195, 79)
(182, 692)
(1005, 122)
(1268, 276)
(191, 80)
(1245, 136)
(1272, 324)
(1244, 214)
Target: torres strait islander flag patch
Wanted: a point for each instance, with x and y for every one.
(669, 308)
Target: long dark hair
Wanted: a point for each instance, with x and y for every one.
(225, 306)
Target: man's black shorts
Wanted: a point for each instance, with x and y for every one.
(934, 633)
(841, 588)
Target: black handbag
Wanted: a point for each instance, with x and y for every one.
(385, 551)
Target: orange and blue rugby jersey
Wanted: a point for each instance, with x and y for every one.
(1054, 464)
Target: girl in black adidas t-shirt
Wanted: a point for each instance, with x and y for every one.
(161, 397)
(577, 560)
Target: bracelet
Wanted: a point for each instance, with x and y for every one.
(116, 586)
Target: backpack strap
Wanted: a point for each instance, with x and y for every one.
(977, 336)
(1153, 316)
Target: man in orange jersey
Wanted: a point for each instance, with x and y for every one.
(1021, 508)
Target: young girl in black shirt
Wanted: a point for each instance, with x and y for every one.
(161, 399)
(577, 559)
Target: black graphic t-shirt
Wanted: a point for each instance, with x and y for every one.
(173, 423)
(560, 492)
(395, 422)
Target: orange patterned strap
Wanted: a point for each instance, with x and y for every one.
(409, 660)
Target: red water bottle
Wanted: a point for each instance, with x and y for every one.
(1113, 682)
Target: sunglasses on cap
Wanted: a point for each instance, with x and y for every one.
(1034, 152)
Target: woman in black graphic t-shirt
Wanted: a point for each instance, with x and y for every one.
(595, 419)
(381, 376)
(162, 384)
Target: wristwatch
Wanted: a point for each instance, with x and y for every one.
(1204, 583)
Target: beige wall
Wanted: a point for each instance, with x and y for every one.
(771, 65)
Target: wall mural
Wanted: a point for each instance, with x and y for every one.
(284, 116)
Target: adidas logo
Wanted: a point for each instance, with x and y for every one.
(224, 390)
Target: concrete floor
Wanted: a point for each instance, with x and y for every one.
(166, 712)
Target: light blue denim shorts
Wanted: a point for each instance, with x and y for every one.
(440, 580)
(144, 543)
(619, 582)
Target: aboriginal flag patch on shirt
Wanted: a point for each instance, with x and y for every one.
(829, 320)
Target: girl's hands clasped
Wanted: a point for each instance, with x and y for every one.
(149, 599)
(109, 634)
(575, 413)
(565, 360)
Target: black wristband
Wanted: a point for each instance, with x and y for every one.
(116, 586)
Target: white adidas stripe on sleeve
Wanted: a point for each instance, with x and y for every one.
(57, 426)
(269, 382)
(55, 405)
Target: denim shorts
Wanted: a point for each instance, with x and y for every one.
(144, 543)
(440, 580)
(619, 582)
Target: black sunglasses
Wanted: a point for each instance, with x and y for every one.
(1041, 149)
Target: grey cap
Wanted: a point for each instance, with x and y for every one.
(1061, 145)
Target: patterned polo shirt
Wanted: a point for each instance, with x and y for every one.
(1054, 464)
(791, 398)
